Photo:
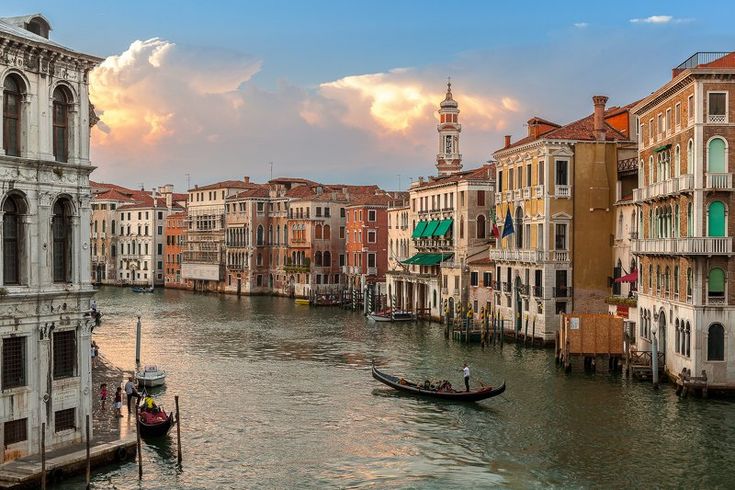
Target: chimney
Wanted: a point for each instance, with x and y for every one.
(599, 118)
(507, 141)
(246, 179)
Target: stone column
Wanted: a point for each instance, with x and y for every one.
(85, 371)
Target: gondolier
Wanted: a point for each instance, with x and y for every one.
(466, 372)
(131, 392)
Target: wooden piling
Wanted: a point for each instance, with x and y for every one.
(89, 460)
(533, 332)
(525, 335)
(178, 428)
(43, 456)
(140, 452)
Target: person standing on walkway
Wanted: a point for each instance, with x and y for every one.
(118, 402)
(466, 372)
(103, 395)
(131, 392)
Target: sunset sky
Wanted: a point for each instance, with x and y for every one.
(347, 91)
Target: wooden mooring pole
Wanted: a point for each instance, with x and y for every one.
(89, 460)
(178, 428)
(43, 456)
(140, 452)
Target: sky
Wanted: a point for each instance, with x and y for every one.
(193, 92)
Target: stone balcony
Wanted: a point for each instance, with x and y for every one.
(659, 190)
(529, 256)
(684, 246)
(564, 191)
(719, 181)
(538, 191)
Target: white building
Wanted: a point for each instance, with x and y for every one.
(45, 373)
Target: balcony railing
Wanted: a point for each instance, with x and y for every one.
(684, 246)
(372, 271)
(538, 191)
(719, 181)
(528, 255)
(523, 289)
(506, 287)
(562, 190)
(538, 291)
(526, 193)
(717, 118)
(517, 194)
(716, 300)
(682, 183)
(508, 196)
(562, 292)
(561, 256)
(498, 196)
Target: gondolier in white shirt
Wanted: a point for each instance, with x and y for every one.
(466, 372)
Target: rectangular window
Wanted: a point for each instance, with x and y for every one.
(371, 260)
(660, 123)
(677, 114)
(371, 236)
(474, 278)
(342, 212)
(690, 108)
(371, 215)
(342, 232)
(15, 431)
(481, 198)
(160, 230)
(160, 248)
(14, 362)
(65, 419)
(528, 175)
(487, 279)
(65, 354)
(456, 282)
(562, 172)
(540, 237)
(716, 107)
(341, 260)
(560, 238)
(500, 181)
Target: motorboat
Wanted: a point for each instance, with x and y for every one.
(151, 376)
(392, 316)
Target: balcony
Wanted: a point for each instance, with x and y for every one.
(562, 292)
(526, 193)
(564, 191)
(498, 196)
(717, 118)
(517, 194)
(538, 291)
(538, 191)
(508, 196)
(658, 190)
(719, 181)
(516, 255)
(372, 271)
(560, 255)
(684, 246)
(506, 287)
(716, 300)
(523, 289)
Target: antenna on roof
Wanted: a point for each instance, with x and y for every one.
(142, 186)
(271, 164)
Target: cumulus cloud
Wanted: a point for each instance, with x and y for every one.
(580, 25)
(660, 19)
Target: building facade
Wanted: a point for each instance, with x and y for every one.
(45, 376)
(554, 202)
(366, 233)
(175, 230)
(686, 296)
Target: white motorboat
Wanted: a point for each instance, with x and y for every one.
(392, 316)
(151, 376)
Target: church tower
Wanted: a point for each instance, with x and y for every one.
(448, 160)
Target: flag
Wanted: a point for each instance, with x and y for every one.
(496, 231)
(508, 225)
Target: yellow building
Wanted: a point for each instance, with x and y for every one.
(557, 187)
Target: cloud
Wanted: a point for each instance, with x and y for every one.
(580, 25)
(660, 19)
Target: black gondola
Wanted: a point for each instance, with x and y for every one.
(159, 428)
(464, 396)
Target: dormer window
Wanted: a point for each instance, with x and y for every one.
(38, 26)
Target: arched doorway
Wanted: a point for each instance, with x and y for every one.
(519, 305)
(662, 332)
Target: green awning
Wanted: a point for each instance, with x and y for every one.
(661, 148)
(444, 226)
(427, 259)
(420, 226)
(430, 229)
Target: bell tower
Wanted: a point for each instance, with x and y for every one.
(448, 160)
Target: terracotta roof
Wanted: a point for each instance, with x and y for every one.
(380, 199)
(481, 261)
(111, 195)
(225, 184)
(260, 191)
(538, 120)
(147, 202)
(481, 173)
(581, 130)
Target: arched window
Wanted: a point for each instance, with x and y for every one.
(61, 234)
(327, 260)
(690, 155)
(677, 161)
(676, 281)
(12, 99)
(689, 283)
(677, 340)
(716, 343)
(61, 124)
(716, 219)
(658, 278)
(677, 221)
(716, 162)
(481, 226)
(650, 277)
(318, 232)
(259, 237)
(651, 178)
(318, 259)
(716, 284)
(687, 339)
(690, 220)
(270, 234)
(285, 234)
(667, 275)
(327, 232)
(13, 209)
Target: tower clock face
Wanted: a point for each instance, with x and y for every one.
(448, 144)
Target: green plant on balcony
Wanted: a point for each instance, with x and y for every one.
(622, 300)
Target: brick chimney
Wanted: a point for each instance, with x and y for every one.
(507, 141)
(246, 179)
(599, 117)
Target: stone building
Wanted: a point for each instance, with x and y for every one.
(173, 250)
(366, 232)
(557, 187)
(448, 218)
(45, 376)
(686, 296)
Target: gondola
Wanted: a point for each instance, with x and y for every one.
(464, 396)
(154, 424)
(138, 289)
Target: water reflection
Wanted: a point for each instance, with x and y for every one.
(278, 396)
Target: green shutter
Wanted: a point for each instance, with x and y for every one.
(716, 219)
(716, 156)
(420, 226)
(716, 281)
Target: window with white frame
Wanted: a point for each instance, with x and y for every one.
(660, 124)
(371, 214)
(562, 172)
(677, 114)
(560, 236)
(650, 130)
(667, 121)
(540, 172)
(717, 107)
(690, 109)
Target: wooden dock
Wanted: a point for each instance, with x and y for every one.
(25, 472)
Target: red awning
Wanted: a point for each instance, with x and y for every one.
(632, 277)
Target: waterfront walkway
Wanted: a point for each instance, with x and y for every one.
(113, 439)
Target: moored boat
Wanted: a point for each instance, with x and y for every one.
(392, 316)
(139, 289)
(154, 422)
(444, 394)
(302, 301)
(151, 376)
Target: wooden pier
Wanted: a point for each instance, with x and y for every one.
(25, 473)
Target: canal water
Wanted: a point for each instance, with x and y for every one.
(277, 395)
